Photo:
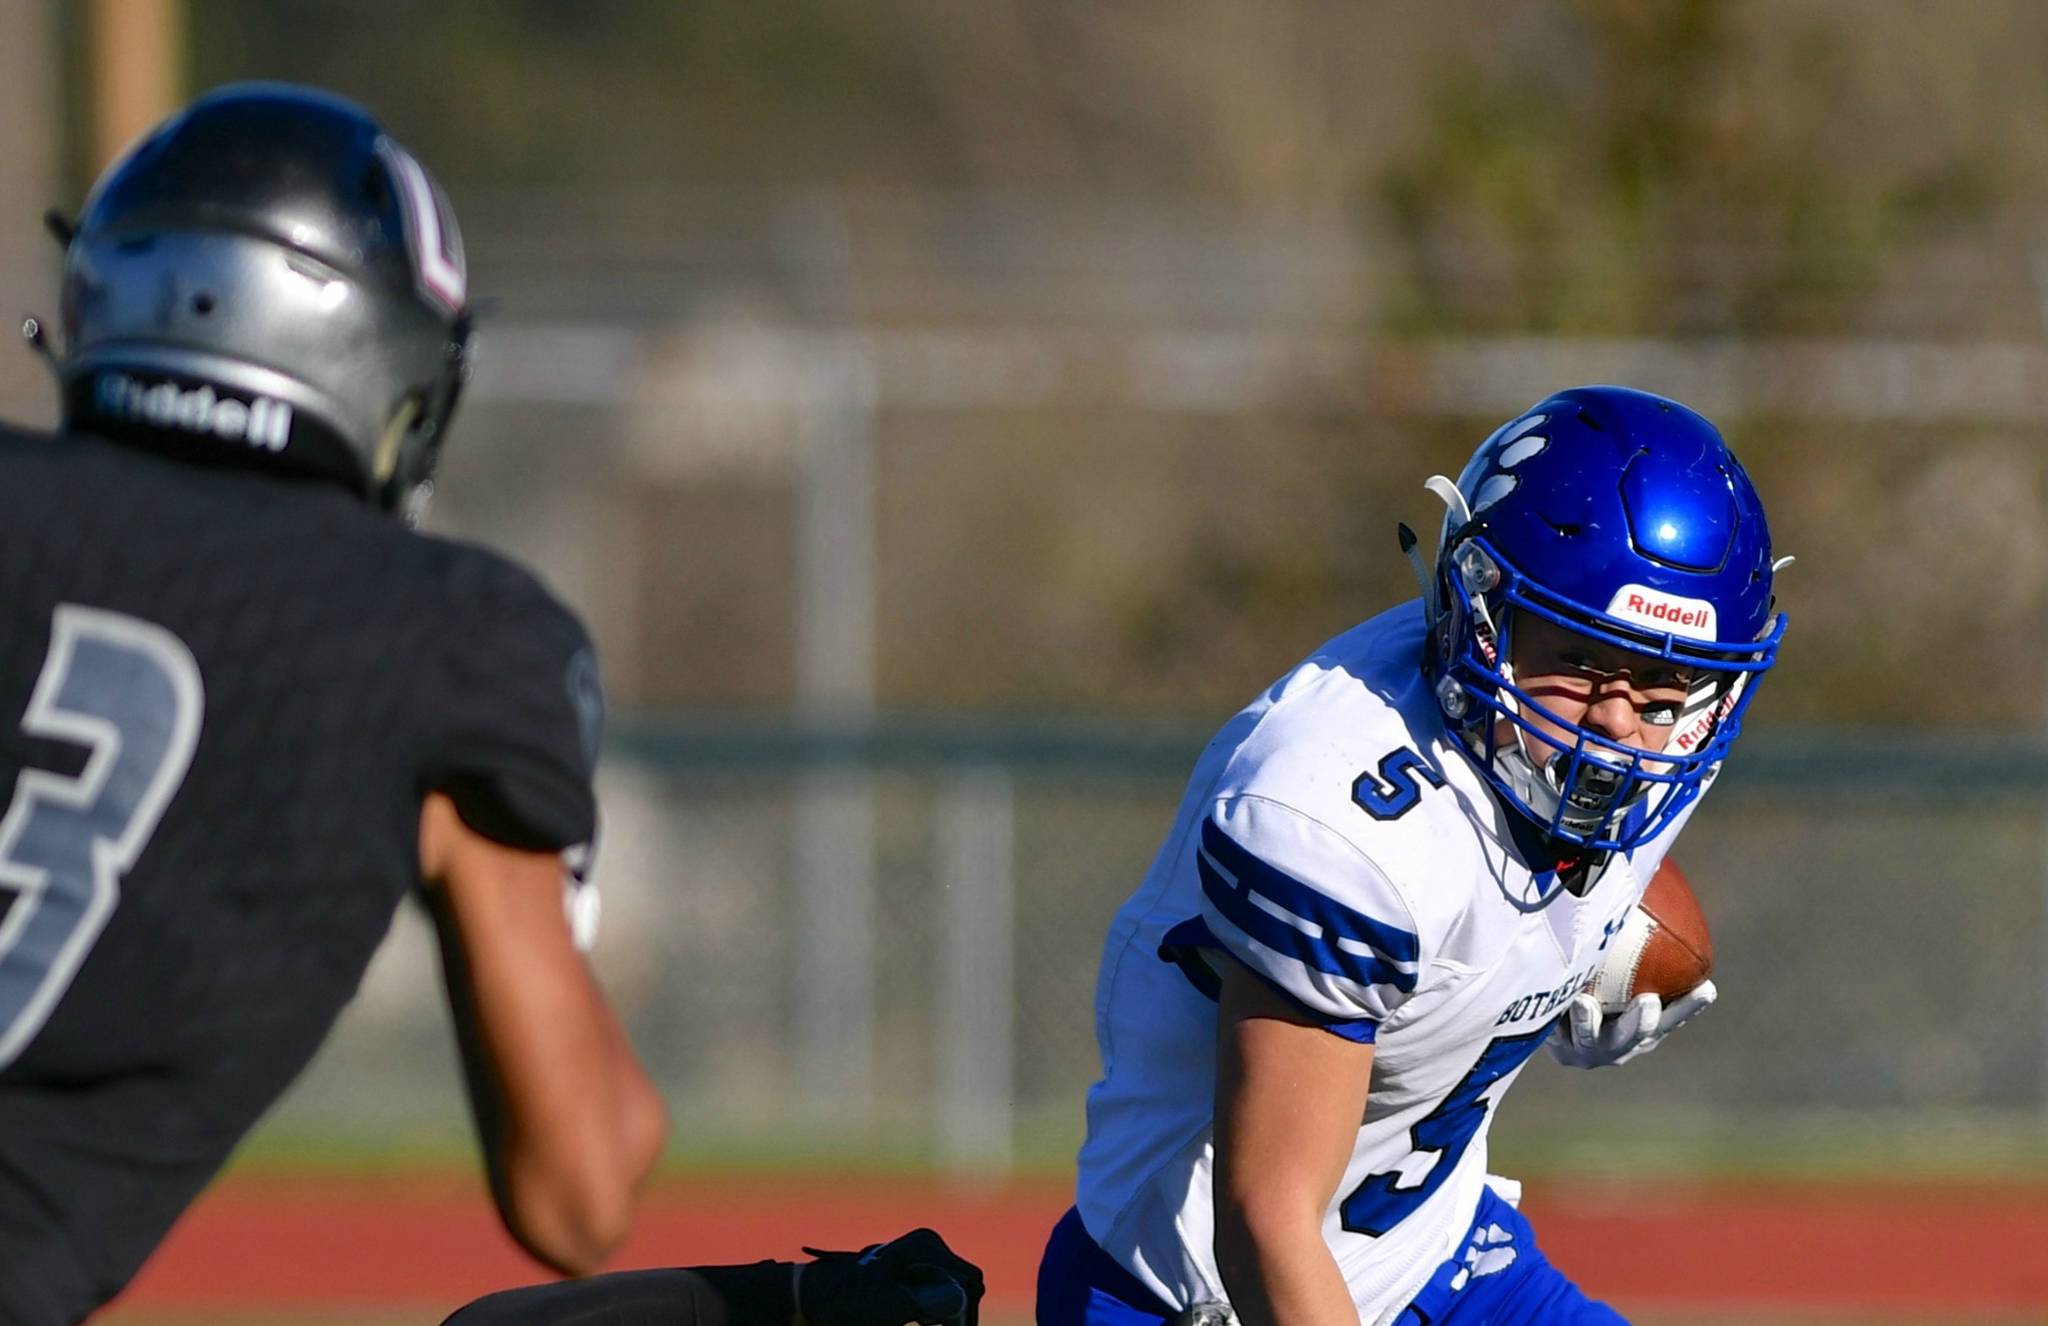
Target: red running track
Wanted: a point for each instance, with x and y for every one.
(270, 1245)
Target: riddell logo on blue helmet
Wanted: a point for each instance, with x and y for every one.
(263, 423)
(1693, 618)
(1622, 517)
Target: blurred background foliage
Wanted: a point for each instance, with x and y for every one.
(1326, 184)
(1696, 170)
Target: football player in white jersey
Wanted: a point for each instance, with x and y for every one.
(1389, 882)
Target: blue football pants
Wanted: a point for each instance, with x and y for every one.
(1501, 1278)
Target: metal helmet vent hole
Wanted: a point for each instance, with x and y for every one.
(202, 304)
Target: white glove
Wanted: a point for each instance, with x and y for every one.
(1585, 1038)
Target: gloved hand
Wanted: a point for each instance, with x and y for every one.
(913, 1278)
(1585, 1038)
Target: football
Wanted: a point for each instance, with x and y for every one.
(1662, 948)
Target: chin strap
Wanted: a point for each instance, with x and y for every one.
(1539, 783)
(1475, 570)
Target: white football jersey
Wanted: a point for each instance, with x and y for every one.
(1337, 841)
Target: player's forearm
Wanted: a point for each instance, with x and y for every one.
(643, 1116)
(1281, 1151)
(561, 1186)
(550, 1104)
(1277, 1268)
(760, 1294)
(574, 1159)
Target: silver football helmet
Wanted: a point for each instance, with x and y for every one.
(271, 277)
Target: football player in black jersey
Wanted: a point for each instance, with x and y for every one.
(244, 712)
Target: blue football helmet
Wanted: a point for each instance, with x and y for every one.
(1623, 517)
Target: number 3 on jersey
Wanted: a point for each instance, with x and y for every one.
(128, 691)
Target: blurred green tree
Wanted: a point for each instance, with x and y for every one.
(636, 94)
(1630, 176)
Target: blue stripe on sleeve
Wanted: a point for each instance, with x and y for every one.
(1183, 946)
(1330, 924)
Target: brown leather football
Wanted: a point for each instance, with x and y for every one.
(1663, 948)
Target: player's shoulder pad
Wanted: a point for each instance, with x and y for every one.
(1303, 907)
(1322, 721)
(521, 701)
(476, 580)
(1369, 760)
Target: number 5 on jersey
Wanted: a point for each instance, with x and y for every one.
(128, 691)
(1394, 790)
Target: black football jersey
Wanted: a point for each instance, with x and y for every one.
(223, 696)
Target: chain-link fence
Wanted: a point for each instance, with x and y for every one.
(1877, 908)
(935, 563)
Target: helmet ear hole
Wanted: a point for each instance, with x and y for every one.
(202, 304)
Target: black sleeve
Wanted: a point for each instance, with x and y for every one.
(914, 1278)
(754, 1295)
(520, 709)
